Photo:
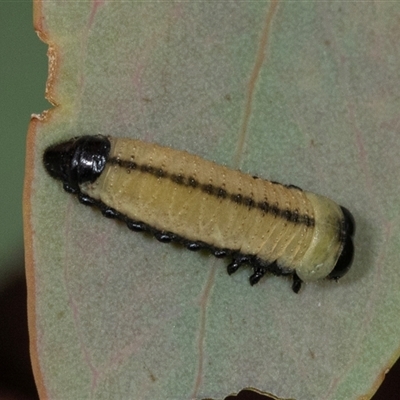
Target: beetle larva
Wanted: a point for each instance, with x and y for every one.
(181, 197)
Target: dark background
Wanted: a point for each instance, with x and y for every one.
(23, 72)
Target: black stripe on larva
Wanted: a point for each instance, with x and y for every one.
(236, 198)
(263, 206)
(222, 193)
(160, 173)
(179, 179)
(249, 202)
(277, 212)
(217, 191)
(192, 182)
(147, 168)
(209, 189)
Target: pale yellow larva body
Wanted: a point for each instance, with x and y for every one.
(181, 197)
(196, 215)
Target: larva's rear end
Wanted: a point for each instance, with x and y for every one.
(330, 252)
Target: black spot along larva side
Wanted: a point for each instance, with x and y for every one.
(179, 197)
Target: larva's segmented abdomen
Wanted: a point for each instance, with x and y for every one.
(182, 197)
(202, 201)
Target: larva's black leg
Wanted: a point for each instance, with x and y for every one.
(258, 273)
(86, 200)
(233, 267)
(296, 285)
(70, 189)
(164, 237)
(236, 263)
(135, 226)
(109, 212)
(220, 253)
(273, 268)
(194, 246)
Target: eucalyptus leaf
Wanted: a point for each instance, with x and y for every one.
(304, 93)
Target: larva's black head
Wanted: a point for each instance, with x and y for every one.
(79, 160)
(343, 264)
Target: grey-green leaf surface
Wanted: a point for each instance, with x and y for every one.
(299, 92)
